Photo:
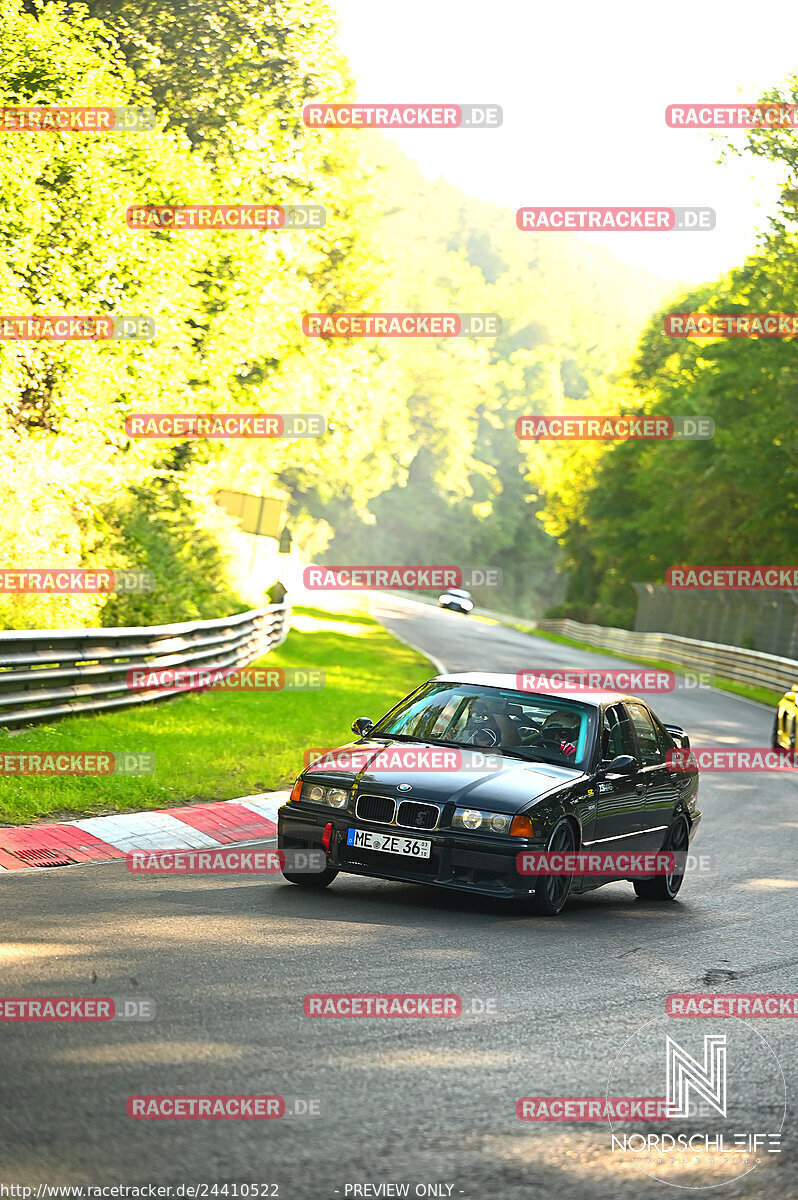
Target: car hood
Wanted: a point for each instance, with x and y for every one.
(505, 785)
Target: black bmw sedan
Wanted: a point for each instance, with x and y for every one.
(468, 779)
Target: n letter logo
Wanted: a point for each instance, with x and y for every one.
(684, 1074)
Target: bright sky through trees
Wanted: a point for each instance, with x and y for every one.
(584, 87)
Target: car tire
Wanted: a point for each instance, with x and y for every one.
(312, 879)
(666, 887)
(774, 737)
(552, 891)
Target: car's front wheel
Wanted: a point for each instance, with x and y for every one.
(665, 887)
(551, 891)
(311, 879)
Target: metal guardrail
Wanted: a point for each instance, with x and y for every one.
(765, 621)
(731, 662)
(46, 673)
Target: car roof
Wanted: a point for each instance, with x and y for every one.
(509, 681)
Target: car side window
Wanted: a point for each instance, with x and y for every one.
(617, 737)
(666, 742)
(651, 751)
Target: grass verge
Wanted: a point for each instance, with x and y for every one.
(760, 694)
(219, 745)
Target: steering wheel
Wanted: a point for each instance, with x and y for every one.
(525, 732)
(490, 736)
(550, 737)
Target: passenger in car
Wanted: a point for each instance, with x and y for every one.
(491, 725)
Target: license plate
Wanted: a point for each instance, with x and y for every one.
(388, 843)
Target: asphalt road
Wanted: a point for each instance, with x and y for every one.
(227, 962)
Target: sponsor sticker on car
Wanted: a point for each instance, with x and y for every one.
(388, 843)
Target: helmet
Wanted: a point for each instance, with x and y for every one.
(563, 719)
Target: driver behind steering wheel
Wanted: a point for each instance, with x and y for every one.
(561, 730)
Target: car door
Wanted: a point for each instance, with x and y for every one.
(620, 799)
(660, 790)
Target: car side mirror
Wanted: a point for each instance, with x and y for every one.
(362, 726)
(622, 764)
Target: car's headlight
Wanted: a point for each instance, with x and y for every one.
(316, 793)
(476, 818)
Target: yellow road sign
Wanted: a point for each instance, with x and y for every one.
(260, 515)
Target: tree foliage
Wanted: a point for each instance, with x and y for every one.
(422, 463)
(643, 507)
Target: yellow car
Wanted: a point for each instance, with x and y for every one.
(785, 725)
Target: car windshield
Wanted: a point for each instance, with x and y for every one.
(540, 728)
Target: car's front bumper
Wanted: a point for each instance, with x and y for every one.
(462, 862)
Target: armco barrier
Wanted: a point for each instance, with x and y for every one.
(731, 662)
(764, 621)
(46, 673)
